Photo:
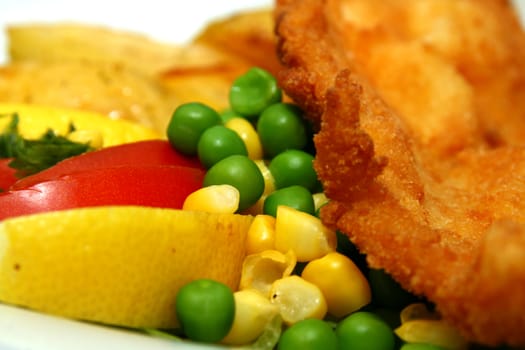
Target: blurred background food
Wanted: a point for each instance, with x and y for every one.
(125, 75)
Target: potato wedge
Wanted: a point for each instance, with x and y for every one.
(127, 75)
(248, 35)
(109, 89)
(208, 81)
(235, 44)
(59, 42)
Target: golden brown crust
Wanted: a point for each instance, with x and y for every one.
(408, 161)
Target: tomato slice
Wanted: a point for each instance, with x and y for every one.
(152, 152)
(147, 185)
(7, 174)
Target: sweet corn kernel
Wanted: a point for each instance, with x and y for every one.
(269, 187)
(246, 131)
(259, 271)
(417, 311)
(298, 299)
(261, 235)
(253, 312)
(342, 283)
(420, 325)
(213, 199)
(269, 181)
(434, 332)
(92, 137)
(320, 199)
(303, 233)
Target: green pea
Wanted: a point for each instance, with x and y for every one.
(387, 292)
(418, 346)
(364, 331)
(228, 114)
(219, 142)
(187, 124)
(294, 167)
(205, 309)
(309, 334)
(281, 127)
(297, 197)
(240, 172)
(253, 91)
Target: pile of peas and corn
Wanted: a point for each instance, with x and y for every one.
(262, 149)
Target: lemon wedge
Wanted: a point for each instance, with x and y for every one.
(35, 120)
(119, 265)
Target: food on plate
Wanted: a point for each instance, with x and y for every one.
(234, 44)
(129, 76)
(332, 269)
(254, 312)
(97, 211)
(362, 328)
(144, 153)
(206, 309)
(57, 174)
(73, 42)
(33, 138)
(421, 108)
(242, 173)
(246, 34)
(473, 74)
(390, 161)
(109, 89)
(163, 186)
(7, 174)
(320, 336)
(63, 42)
(35, 120)
(119, 265)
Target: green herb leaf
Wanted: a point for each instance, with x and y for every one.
(269, 338)
(9, 138)
(32, 156)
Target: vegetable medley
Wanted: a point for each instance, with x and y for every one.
(302, 285)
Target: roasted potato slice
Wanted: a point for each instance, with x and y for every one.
(248, 35)
(59, 42)
(126, 75)
(209, 85)
(110, 89)
(120, 74)
(234, 44)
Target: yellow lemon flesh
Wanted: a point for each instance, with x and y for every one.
(36, 120)
(120, 265)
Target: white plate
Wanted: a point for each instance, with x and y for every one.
(22, 329)
(161, 19)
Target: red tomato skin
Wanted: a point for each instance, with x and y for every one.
(152, 186)
(7, 174)
(151, 152)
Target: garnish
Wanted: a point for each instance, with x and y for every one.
(32, 156)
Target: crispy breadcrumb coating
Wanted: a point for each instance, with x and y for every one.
(421, 112)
